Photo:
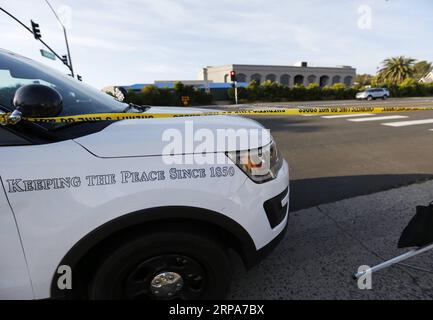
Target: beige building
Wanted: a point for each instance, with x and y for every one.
(286, 75)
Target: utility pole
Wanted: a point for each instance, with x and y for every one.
(66, 40)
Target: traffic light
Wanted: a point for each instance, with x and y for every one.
(36, 30)
(233, 76)
(65, 59)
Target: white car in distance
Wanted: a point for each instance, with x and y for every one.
(372, 94)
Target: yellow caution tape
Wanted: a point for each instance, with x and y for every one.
(241, 112)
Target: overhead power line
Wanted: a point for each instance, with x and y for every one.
(37, 36)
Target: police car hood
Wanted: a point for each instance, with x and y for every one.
(181, 135)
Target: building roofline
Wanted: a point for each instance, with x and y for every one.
(279, 66)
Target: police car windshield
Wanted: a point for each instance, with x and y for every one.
(78, 98)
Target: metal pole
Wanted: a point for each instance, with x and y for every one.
(395, 260)
(69, 53)
(10, 15)
(69, 65)
(236, 92)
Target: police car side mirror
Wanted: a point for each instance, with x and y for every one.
(36, 101)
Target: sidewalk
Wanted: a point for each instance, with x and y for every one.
(325, 245)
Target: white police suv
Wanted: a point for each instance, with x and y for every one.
(126, 209)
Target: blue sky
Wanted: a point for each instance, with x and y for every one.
(136, 41)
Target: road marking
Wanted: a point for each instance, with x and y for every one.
(348, 116)
(378, 118)
(407, 123)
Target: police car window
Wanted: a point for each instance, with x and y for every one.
(78, 98)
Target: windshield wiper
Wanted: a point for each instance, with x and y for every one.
(132, 106)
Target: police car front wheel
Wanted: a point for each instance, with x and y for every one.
(164, 266)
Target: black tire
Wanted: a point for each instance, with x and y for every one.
(127, 273)
(370, 98)
(385, 97)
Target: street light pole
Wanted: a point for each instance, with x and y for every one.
(69, 52)
(66, 40)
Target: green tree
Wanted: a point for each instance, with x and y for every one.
(313, 92)
(253, 85)
(409, 82)
(396, 69)
(363, 79)
(178, 86)
(421, 69)
(150, 90)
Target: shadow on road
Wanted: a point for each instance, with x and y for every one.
(288, 124)
(308, 193)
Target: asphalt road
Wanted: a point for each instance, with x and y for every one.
(364, 160)
(336, 158)
(407, 102)
(325, 245)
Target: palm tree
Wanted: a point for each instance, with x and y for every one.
(396, 69)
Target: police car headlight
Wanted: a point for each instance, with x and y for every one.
(260, 165)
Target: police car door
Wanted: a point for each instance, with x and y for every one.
(14, 277)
